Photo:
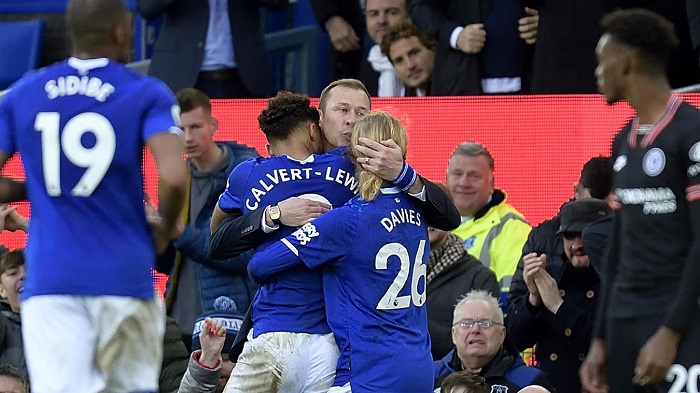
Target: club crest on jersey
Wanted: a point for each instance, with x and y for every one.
(469, 243)
(654, 162)
(620, 163)
(499, 389)
(694, 152)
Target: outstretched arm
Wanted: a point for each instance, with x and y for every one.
(274, 259)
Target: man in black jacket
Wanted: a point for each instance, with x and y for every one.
(343, 21)
(558, 312)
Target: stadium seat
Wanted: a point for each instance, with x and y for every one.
(20, 45)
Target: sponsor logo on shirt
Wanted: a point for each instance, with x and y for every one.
(654, 162)
(653, 200)
(469, 243)
(694, 152)
(499, 389)
(620, 163)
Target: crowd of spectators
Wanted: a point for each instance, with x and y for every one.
(495, 285)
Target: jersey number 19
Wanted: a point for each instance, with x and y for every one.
(96, 159)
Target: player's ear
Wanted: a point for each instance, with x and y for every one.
(215, 123)
(119, 33)
(314, 131)
(268, 149)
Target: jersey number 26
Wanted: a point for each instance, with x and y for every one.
(391, 299)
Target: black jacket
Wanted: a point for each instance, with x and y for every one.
(179, 50)
(342, 64)
(455, 72)
(446, 289)
(175, 358)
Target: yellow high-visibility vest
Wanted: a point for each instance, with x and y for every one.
(497, 240)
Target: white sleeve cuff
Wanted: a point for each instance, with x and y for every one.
(454, 35)
(420, 195)
(265, 228)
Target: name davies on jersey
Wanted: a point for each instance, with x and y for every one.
(84, 85)
(400, 216)
(283, 175)
(653, 200)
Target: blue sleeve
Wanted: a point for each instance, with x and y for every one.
(325, 239)
(230, 199)
(161, 110)
(270, 261)
(7, 134)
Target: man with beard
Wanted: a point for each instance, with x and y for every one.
(561, 302)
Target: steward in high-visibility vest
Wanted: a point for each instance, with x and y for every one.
(495, 235)
(492, 230)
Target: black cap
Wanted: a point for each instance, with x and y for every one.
(576, 215)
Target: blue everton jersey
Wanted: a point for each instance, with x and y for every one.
(375, 256)
(80, 127)
(291, 301)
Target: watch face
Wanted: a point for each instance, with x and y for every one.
(274, 213)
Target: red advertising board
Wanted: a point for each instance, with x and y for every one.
(539, 143)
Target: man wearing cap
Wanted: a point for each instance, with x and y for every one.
(214, 332)
(558, 315)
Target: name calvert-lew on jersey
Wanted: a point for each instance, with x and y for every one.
(292, 301)
(80, 127)
(374, 256)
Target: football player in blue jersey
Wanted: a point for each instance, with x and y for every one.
(290, 309)
(373, 253)
(80, 126)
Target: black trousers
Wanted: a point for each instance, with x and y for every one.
(625, 337)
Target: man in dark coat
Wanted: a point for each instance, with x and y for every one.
(558, 311)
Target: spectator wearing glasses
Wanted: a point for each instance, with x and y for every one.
(479, 336)
(558, 314)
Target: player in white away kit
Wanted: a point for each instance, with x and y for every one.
(80, 126)
(373, 252)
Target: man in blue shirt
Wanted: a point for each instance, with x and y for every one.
(80, 126)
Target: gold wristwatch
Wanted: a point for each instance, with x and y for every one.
(275, 214)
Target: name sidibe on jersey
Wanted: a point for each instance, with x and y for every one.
(283, 175)
(71, 85)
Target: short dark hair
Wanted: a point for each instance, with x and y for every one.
(284, 113)
(190, 99)
(473, 149)
(353, 84)
(11, 260)
(405, 29)
(649, 33)
(9, 371)
(89, 21)
(596, 176)
(473, 383)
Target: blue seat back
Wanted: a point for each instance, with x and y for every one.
(20, 48)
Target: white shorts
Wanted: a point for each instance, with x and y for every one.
(341, 389)
(92, 344)
(283, 362)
